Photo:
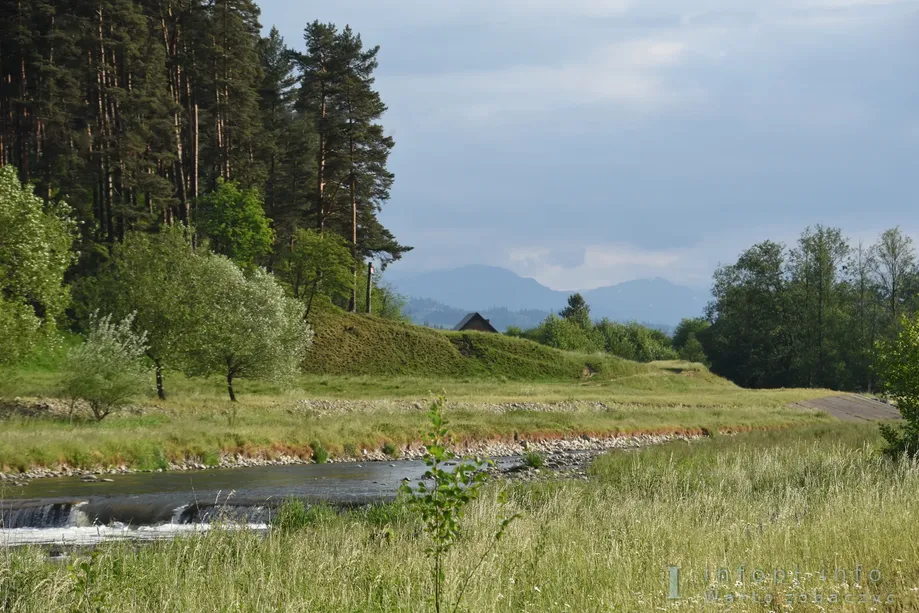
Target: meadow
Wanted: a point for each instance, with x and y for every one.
(814, 514)
(347, 414)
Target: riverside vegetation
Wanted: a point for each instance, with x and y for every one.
(819, 498)
(345, 415)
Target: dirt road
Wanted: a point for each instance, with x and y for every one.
(850, 407)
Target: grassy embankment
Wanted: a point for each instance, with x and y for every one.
(390, 366)
(820, 499)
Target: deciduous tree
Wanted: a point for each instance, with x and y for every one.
(246, 327)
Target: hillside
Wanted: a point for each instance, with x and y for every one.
(347, 344)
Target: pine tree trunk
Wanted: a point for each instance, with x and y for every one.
(321, 161)
(352, 305)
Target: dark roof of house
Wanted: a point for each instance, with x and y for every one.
(469, 318)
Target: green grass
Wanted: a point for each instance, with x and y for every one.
(202, 425)
(399, 365)
(818, 498)
(348, 344)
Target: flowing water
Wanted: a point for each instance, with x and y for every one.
(142, 506)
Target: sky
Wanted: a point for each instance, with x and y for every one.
(585, 142)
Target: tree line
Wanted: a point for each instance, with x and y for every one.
(135, 112)
(573, 329)
(810, 315)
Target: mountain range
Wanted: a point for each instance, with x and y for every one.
(443, 297)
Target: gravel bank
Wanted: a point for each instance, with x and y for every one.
(560, 454)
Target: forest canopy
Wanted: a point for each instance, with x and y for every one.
(137, 112)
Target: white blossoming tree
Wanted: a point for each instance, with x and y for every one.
(107, 370)
(245, 326)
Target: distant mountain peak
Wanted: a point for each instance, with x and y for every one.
(481, 287)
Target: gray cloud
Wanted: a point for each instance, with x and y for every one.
(616, 140)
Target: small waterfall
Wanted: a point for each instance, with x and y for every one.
(53, 515)
(125, 512)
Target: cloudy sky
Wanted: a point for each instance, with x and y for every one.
(588, 142)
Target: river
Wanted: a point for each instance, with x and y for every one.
(143, 506)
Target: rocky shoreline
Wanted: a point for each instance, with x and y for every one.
(562, 455)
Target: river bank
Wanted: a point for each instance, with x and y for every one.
(40, 437)
(815, 498)
(559, 451)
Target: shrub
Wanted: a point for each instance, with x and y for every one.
(898, 366)
(689, 328)
(634, 341)
(18, 330)
(533, 459)
(320, 454)
(390, 449)
(566, 334)
(442, 505)
(149, 275)
(107, 370)
(692, 351)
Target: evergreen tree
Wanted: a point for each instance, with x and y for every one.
(134, 109)
(577, 311)
(276, 94)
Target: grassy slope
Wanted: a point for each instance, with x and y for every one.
(366, 345)
(818, 499)
(392, 362)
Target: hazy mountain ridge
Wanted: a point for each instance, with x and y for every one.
(442, 298)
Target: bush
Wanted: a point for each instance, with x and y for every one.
(634, 341)
(687, 329)
(107, 370)
(390, 449)
(320, 454)
(443, 504)
(898, 366)
(18, 330)
(533, 459)
(692, 351)
(566, 334)
(149, 275)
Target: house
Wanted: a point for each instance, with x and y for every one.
(474, 321)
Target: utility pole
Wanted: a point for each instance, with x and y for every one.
(369, 283)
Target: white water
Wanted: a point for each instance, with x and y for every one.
(91, 535)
